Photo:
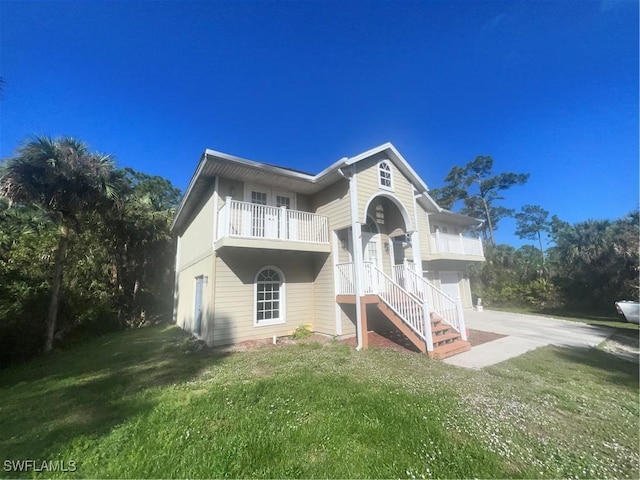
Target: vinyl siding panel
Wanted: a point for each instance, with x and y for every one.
(230, 188)
(368, 185)
(324, 297)
(197, 239)
(423, 230)
(334, 202)
(186, 295)
(235, 294)
(303, 203)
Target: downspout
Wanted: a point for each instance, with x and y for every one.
(356, 242)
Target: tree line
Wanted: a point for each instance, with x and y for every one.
(85, 246)
(589, 266)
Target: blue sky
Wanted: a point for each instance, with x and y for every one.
(545, 87)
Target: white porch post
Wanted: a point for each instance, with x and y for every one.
(227, 216)
(481, 246)
(462, 244)
(438, 247)
(356, 241)
(463, 330)
(282, 223)
(427, 326)
(415, 236)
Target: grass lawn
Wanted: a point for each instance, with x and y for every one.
(149, 403)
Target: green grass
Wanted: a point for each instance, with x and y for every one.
(150, 403)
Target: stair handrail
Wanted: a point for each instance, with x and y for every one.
(437, 299)
(409, 309)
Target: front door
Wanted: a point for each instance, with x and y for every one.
(372, 253)
(264, 217)
(197, 310)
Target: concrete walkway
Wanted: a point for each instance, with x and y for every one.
(524, 333)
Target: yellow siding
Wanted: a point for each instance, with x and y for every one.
(303, 202)
(230, 188)
(234, 294)
(324, 296)
(368, 185)
(334, 202)
(423, 231)
(197, 239)
(186, 295)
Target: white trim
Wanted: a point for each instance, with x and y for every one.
(416, 247)
(282, 299)
(335, 257)
(176, 281)
(386, 163)
(216, 196)
(358, 266)
(403, 210)
(195, 296)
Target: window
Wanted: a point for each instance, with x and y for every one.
(259, 198)
(384, 175)
(269, 287)
(283, 202)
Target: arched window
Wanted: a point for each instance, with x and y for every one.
(385, 175)
(269, 288)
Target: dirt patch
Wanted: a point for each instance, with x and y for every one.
(268, 343)
(478, 337)
(392, 339)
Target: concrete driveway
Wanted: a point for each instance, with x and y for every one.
(524, 333)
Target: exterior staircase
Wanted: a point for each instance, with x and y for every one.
(440, 334)
(446, 341)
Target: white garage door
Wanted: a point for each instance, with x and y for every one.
(449, 284)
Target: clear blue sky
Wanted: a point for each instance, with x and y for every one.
(548, 88)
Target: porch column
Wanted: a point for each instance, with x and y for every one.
(364, 328)
(356, 240)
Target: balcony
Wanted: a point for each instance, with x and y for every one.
(243, 224)
(455, 247)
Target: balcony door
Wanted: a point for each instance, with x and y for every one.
(263, 218)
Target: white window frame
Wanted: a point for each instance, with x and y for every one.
(389, 170)
(271, 193)
(281, 299)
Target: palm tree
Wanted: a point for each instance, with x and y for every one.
(63, 178)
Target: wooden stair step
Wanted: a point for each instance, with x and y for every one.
(440, 329)
(445, 339)
(449, 350)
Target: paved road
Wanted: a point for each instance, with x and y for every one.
(524, 333)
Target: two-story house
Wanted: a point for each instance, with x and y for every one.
(360, 246)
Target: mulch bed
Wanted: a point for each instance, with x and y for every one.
(395, 340)
(477, 337)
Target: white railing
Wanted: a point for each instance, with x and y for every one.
(457, 244)
(345, 284)
(248, 220)
(413, 312)
(448, 308)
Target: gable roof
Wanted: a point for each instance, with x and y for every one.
(217, 164)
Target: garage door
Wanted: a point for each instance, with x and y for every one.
(449, 284)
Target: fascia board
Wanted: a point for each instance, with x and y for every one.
(194, 178)
(400, 161)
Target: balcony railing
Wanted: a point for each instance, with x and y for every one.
(248, 220)
(455, 244)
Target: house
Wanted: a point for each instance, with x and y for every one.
(359, 246)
